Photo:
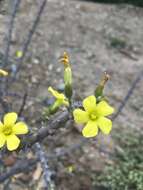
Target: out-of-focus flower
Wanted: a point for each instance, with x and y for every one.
(3, 73)
(19, 54)
(9, 130)
(71, 169)
(94, 117)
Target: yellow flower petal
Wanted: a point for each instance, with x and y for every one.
(90, 130)
(61, 99)
(80, 116)
(1, 126)
(2, 140)
(104, 109)
(12, 142)
(105, 125)
(10, 119)
(89, 103)
(55, 93)
(65, 102)
(20, 128)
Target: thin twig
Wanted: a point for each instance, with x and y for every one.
(46, 169)
(4, 104)
(129, 93)
(8, 38)
(30, 35)
(50, 129)
(10, 30)
(23, 104)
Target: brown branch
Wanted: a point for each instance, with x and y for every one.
(50, 129)
(20, 166)
(27, 165)
(53, 125)
(23, 104)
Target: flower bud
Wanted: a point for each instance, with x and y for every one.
(67, 75)
(99, 90)
(68, 82)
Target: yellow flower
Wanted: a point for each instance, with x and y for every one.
(60, 98)
(3, 73)
(94, 116)
(9, 129)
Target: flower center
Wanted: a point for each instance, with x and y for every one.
(7, 130)
(93, 116)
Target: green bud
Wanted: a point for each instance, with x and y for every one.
(99, 90)
(68, 82)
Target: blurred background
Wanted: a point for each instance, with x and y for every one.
(99, 36)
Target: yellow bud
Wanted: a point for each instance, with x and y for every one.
(65, 60)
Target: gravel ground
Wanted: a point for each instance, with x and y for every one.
(98, 38)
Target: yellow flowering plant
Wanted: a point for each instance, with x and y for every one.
(9, 130)
(62, 99)
(94, 116)
(95, 107)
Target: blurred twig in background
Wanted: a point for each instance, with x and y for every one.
(10, 30)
